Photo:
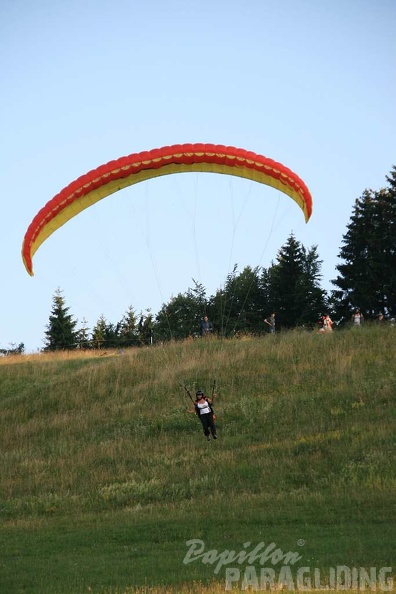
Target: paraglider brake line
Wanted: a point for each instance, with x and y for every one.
(189, 393)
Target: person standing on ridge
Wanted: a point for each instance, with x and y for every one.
(327, 323)
(357, 317)
(271, 323)
(206, 326)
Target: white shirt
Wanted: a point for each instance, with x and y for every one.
(204, 408)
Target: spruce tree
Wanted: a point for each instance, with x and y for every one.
(128, 330)
(367, 276)
(60, 332)
(294, 286)
(145, 328)
(237, 307)
(82, 336)
(99, 333)
(181, 316)
(105, 334)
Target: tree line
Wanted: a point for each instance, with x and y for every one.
(290, 286)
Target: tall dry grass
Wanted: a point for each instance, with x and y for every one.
(306, 429)
(78, 429)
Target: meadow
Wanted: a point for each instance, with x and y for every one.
(105, 477)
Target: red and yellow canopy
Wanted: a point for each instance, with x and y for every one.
(125, 171)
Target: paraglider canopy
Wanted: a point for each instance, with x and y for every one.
(125, 171)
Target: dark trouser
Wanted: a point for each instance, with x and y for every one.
(208, 424)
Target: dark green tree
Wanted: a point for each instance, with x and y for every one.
(237, 307)
(14, 349)
(367, 276)
(60, 331)
(99, 333)
(128, 329)
(145, 329)
(105, 334)
(82, 336)
(181, 316)
(293, 286)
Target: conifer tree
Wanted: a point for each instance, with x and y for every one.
(237, 307)
(367, 276)
(60, 332)
(145, 328)
(105, 334)
(181, 316)
(128, 330)
(83, 340)
(294, 285)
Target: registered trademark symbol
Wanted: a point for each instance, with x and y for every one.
(301, 542)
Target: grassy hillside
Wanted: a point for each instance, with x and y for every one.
(105, 477)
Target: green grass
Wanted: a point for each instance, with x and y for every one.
(104, 475)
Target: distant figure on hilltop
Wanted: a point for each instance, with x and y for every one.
(270, 321)
(206, 326)
(327, 323)
(357, 317)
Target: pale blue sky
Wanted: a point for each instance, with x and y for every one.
(309, 83)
